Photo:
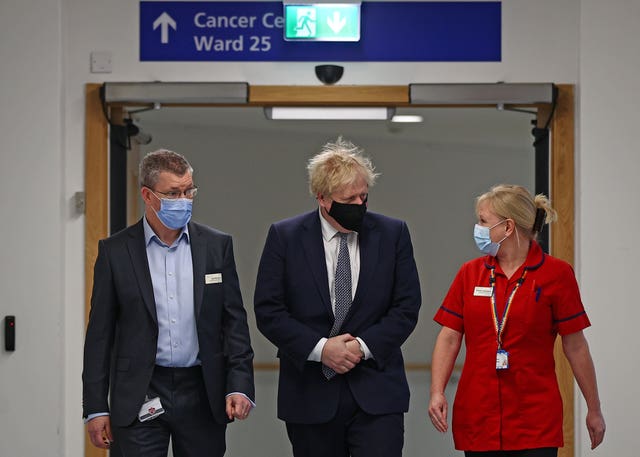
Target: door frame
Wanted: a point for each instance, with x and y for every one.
(562, 184)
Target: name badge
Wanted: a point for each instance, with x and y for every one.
(150, 410)
(482, 291)
(213, 278)
(502, 360)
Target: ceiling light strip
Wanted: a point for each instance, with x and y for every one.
(328, 113)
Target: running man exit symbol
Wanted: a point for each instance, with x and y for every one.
(306, 23)
(322, 22)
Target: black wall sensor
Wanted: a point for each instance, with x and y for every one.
(10, 333)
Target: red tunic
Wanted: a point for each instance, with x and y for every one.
(520, 407)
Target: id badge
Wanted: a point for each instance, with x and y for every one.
(150, 410)
(502, 359)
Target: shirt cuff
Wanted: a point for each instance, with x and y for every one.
(94, 415)
(316, 354)
(253, 405)
(367, 353)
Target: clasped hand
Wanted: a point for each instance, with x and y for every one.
(341, 353)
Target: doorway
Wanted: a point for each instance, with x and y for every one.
(392, 189)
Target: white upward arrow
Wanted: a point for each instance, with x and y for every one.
(337, 23)
(164, 21)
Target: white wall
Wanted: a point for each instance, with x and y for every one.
(32, 228)
(44, 64)
(609, 210)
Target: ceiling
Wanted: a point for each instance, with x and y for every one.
(441, 125)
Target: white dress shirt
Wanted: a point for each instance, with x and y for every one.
(331, 242)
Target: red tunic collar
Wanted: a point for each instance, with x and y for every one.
(535, 259)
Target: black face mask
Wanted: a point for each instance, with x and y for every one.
(348, 215)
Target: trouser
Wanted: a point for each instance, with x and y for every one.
(187, 419)
(351, 433)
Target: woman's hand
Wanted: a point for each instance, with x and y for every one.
(438, 411)
(596, 427)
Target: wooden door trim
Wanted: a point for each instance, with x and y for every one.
(96, 201)
(329, 95)
(562, 179)
(562, 235)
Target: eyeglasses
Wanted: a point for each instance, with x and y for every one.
(175, 194)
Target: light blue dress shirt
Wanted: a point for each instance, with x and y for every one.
(171, 271)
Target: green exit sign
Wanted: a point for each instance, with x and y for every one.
(322, 22)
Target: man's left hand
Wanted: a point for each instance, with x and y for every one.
(354, 347)
(337, 356)
(238, 406)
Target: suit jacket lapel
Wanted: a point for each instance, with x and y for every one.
(138, 253)
(314, 252)
(199, 260)
(369, 240)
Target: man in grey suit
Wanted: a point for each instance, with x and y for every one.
(167, 339)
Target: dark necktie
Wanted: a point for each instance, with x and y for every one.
(342, 292)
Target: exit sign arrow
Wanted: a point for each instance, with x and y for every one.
(164, 21)
(336, 23)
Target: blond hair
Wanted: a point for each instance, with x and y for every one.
(510, 201)
(338, 164)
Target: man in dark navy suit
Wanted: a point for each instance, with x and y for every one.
(167, 341)
(338, 293)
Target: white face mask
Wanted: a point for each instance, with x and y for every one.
(482, 237)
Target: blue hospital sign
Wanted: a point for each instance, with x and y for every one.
(176, 31)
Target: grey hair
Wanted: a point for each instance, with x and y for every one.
(158, 161)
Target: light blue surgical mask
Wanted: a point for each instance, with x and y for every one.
(482, 237)
(174, 213)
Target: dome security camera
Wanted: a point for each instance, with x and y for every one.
(329, 74)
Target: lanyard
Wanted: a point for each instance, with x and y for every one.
(499, 325)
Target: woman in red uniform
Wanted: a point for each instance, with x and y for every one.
(509, 305)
